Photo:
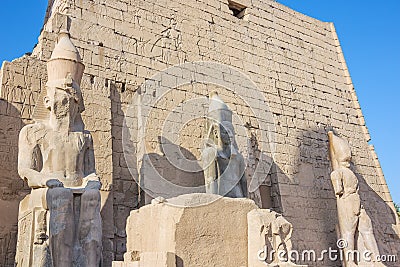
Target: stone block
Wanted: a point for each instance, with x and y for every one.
(200, 229)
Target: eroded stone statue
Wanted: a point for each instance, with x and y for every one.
(224, 167)
(269, 239)
(56, 158)
(355, 226)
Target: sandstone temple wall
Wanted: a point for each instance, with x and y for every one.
(295, 62)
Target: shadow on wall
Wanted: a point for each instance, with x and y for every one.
(382, 216)
(159, 172)
(262, 173)
(170, 173)
(316, 201)
(12, 187)
(125, 189)
(305, 198)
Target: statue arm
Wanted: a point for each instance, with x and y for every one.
(26, 161)
(210, 169)
(90, 166)
(243, 179)
(332, 156)
(337, 183)
(92, 180)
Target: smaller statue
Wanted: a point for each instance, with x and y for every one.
(280, 235)
(355, 226)
(269, 235)
(224, 167)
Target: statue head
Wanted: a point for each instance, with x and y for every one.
(62, 95)
(218, 111)
(227, 132)
(64, 99)
(339, 150)
(220, 121)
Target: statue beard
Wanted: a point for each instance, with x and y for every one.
(60, 111)
(64, 110)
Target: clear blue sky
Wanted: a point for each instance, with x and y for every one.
(369, 32)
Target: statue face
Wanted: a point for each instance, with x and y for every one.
(62, 103)
(226, 133)
(225, 136)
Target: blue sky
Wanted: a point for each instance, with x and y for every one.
(370, 38)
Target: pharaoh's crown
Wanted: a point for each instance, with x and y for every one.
(65, 62)
(64, 69)
(218, 110)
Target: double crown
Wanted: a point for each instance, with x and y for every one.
(65, 71)
(65, 67)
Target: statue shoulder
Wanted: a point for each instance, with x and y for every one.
(34, 127)
(209, 152)
(32, 132)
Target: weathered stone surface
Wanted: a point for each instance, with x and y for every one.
(200, 229)
(159, 259)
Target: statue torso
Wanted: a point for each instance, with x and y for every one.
(231, 169)
(62, 154)
(350, 181)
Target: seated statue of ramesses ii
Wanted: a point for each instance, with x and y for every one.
(56, 158)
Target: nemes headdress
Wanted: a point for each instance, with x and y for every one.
(64, 70)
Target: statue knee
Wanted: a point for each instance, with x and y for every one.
(59, 197)
(60, 193)
(91, 197)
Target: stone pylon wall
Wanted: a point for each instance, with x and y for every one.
(294, 60)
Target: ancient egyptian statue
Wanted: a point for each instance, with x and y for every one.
(355, 226)
(59, 221)
(224, 167)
